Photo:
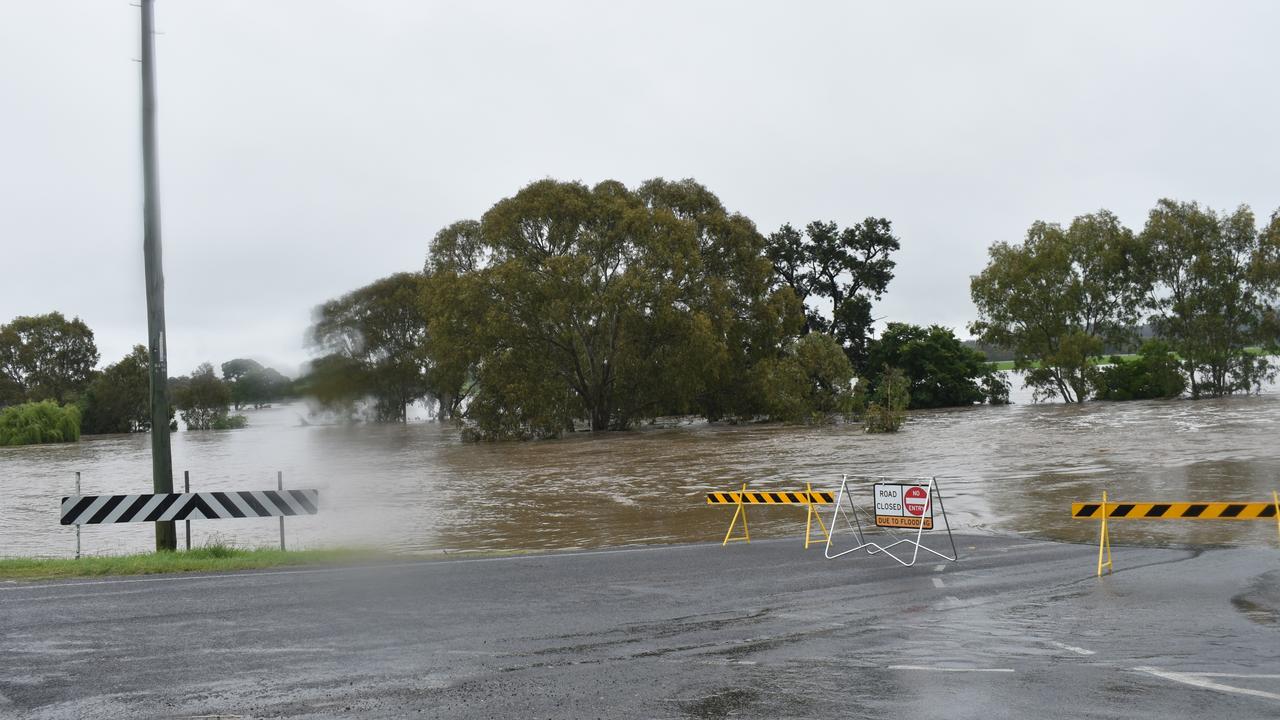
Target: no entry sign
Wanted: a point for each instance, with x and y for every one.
(903, 506)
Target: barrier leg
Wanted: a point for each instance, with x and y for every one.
(1275, 498)
(746, 533)
(808, 527)
(1104, 540)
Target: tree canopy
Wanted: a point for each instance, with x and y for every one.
(1059, 298)
(45, 357)
(938, 369)
(846, 268)
(118, 399)
(375, 338)
(1213, 282)
(605, 304)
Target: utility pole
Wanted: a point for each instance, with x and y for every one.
(161, 456)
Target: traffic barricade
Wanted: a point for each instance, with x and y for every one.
(1108, 510)
(807, 497)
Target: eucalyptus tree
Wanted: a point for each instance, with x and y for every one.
(45, 357)
(845, 268)
(376, 340)
(604, 305)
(1214, 284)
(1059, 298)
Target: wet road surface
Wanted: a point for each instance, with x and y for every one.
(1016, 629)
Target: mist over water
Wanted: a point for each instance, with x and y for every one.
(418, 488)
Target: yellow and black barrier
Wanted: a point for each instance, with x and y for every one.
(1106, 511)
(807, 497)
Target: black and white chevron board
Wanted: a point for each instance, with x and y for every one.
(101, 509)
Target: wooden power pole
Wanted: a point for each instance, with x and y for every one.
(161, 455)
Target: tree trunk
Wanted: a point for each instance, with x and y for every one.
(600, 418)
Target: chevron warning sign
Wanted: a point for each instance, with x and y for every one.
(152, 507)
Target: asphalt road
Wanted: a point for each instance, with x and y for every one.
(1016, 629)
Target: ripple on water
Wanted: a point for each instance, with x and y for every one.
(418, 488)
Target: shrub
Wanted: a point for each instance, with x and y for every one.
(887, 406)
(39, 422)
(811, 383)
(1154, 374)
(228, 422)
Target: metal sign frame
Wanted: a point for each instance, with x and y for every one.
(932, 491)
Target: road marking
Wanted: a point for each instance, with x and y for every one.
(1239, 675)
(949, 669)
(1198, 680)
(937, 582)
(939, 568)
(1072, 648)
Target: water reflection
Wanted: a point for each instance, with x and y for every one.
(418, 488)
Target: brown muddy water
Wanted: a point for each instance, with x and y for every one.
(418, 488)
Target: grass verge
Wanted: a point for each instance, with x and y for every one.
(212, 558)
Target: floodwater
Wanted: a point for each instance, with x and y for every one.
(418, 488)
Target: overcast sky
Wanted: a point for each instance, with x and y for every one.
(309, 147)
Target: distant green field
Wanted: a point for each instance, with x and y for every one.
(1005, 365)
(1008, 364)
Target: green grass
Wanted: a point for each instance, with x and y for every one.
(1005, 365)
(213, 558)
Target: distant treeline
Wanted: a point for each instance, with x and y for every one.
(50, 390)
(567, 306)
(1199, 287)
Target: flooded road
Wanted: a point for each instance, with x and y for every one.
(418, 488)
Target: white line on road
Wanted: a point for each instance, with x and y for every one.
(939, 568)
(1198, 680)
(949, 669)
(1239, 675)
(1072, 648)
(937, 582)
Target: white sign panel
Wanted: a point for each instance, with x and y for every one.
(903, 506)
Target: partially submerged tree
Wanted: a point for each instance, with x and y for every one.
(1059, 298)
(887, 403)
(203, 399)
(605, 305)
(118, 400)
(253, 384)
(45, 357)
(1154, 374)
(812, 382)
(379, 334)
(1214, 282)
(939, 369)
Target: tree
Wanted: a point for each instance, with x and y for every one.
(1154, 374)
(605, 305)
(203, 399)
(887, 403)
(382, 328)
(812, 382)
(1059, 298)
(940, 371)
(848, 268)
(39, 422)
(47, 356)
(253, 384)
(1214, 281)
(118, 399)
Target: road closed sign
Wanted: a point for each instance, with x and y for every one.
(903, 506)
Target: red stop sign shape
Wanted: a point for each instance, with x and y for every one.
(914, 500)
